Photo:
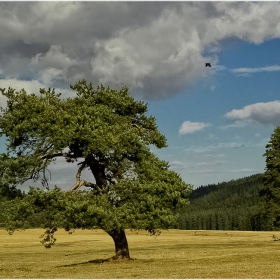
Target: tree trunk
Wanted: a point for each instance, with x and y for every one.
(121, 245)
(98, 170)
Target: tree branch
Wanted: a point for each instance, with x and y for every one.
(79, 183)
(47, 148)
(66, 155)
(78, 176)
(91, 185)
(77, 186)
(134, 124)
(55, 155)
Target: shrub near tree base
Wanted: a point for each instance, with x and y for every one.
(101, 129)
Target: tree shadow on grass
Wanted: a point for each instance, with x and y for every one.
(99, 261)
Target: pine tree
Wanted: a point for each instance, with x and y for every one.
(271, 181)
(100, 129)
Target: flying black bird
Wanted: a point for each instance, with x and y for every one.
(207, 64)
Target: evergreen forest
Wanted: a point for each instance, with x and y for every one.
(233, 205)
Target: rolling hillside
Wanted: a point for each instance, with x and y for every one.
(233, 205)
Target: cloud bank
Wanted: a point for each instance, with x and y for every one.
(157, 49)
(261, 113)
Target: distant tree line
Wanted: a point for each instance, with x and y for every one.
(234, 205)
(251, 203)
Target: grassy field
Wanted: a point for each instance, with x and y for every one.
(173, 254)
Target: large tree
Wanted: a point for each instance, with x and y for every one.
(100, 129)
(271, 179)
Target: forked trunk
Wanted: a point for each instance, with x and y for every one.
(121, 245)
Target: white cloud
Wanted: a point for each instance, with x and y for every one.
(214, 156)
(242, 170)
(262, 113)
(212, 136)
(32, 86)
(54, 58)
(202, 171)
(211, 148)
(191, 127)
(53, 65)
(236, 123)
(156, 48)
(197, 167)
(134, 59)
(220, 68)
(246, 71)
(244, 75)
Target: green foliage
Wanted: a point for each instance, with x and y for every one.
(233, 205)
(102, 123)
(271, 190)
(101, 129)
(48, 237)
(7, 192)
(132, 203)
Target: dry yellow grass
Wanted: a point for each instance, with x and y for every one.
(173, 254)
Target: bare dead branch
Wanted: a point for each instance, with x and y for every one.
(77, 186)
(79, 183)
(78, 176)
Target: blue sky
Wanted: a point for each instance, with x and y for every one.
(217, 120)
(224, 149)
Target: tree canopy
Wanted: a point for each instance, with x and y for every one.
(100, 129)
(271, 191)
